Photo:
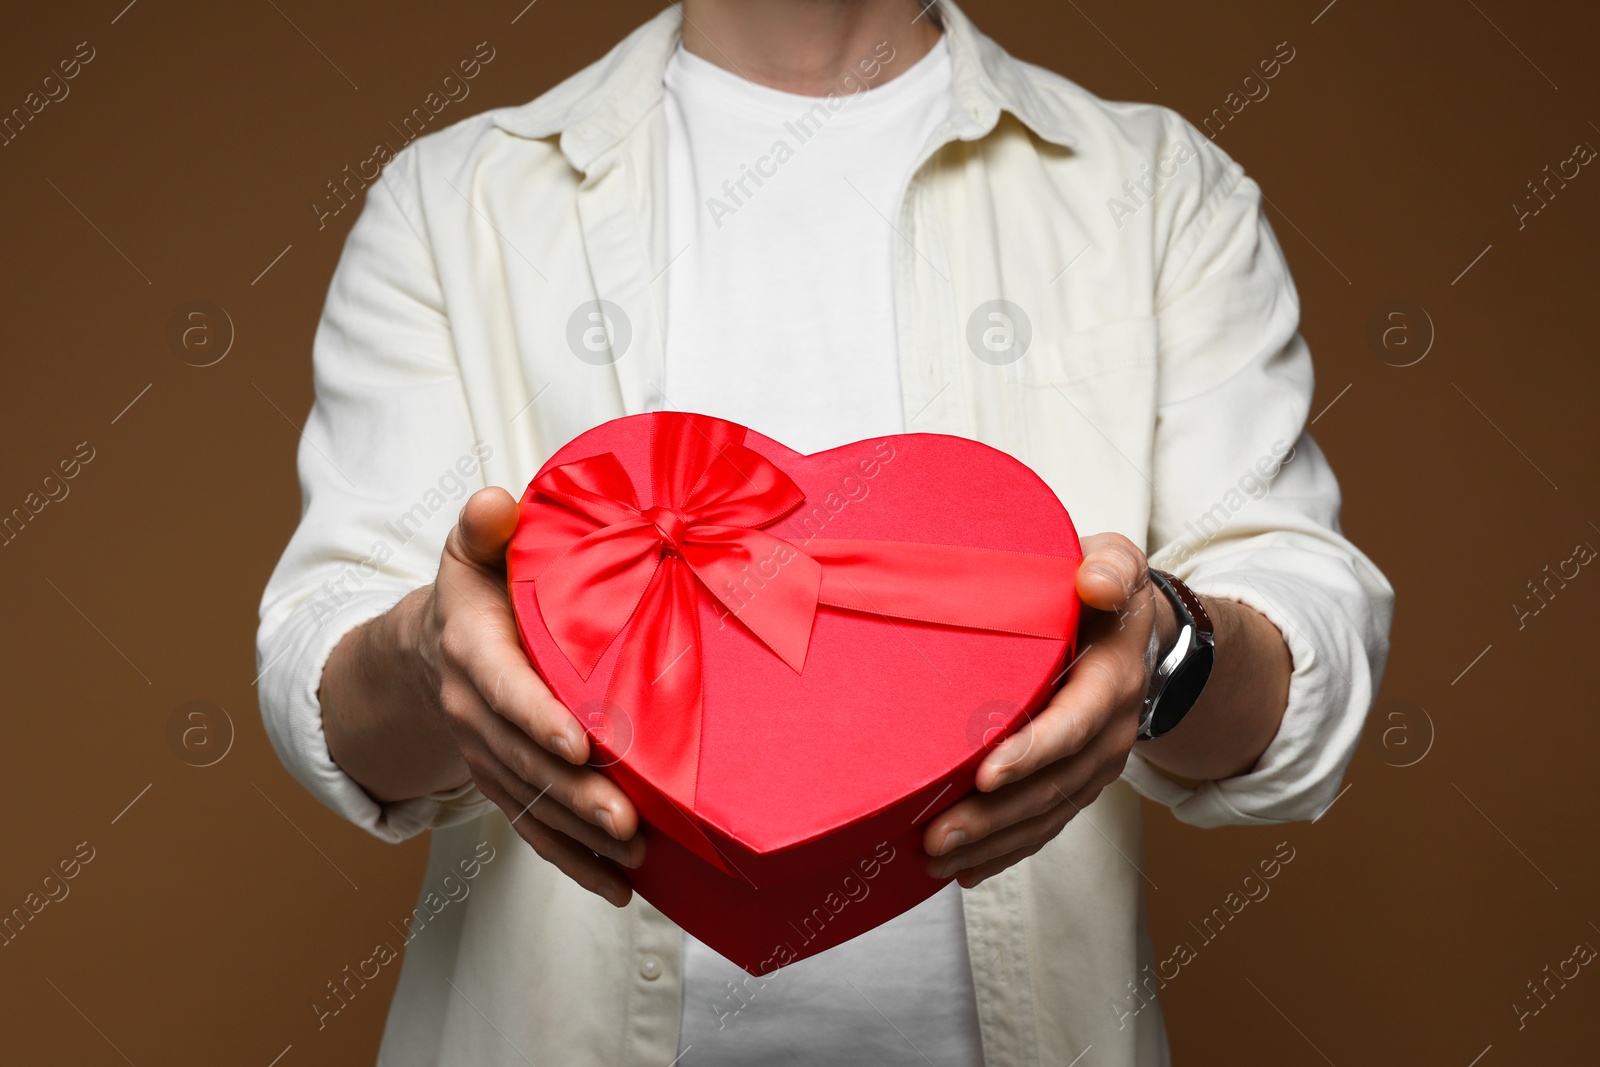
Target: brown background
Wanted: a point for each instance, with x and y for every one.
(217, 905)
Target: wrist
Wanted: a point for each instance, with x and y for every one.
(406, 644)
(381, 714)
(1180, 664)
(1164, 621)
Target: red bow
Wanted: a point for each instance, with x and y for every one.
(601, 564)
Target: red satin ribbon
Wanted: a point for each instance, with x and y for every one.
(603, 566)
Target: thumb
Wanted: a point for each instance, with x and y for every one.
(485, 527)
(1113, 570)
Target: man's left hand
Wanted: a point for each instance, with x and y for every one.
(1055, 765)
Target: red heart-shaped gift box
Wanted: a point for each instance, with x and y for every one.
(790, 663)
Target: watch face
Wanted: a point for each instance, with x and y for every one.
(1182, 690)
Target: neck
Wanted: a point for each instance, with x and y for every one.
(809, 46)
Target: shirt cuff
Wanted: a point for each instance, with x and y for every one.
(1298, 775)
(292, 713)
(1205, 805)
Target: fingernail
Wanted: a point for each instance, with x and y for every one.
(1110, 575)
(603, 817)
(952, 840)
(950, 866)
(1001, 779)
(563, 747)
(1009, 752)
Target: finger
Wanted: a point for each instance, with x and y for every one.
(1113, 570)
(498, 669)
(1029, 834)
(479, 633)
(572, 859)
(972, 877)
(1024, 838)
(474, 720)
(581, 790)
(1100, 682)
(978, 815)
(539, 802)
(485, 527)
(976, 877)
(971, 823)
(629, 853)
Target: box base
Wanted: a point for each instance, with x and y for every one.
(763, 929)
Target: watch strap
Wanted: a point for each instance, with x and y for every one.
(1197, 639)
(1175, 588)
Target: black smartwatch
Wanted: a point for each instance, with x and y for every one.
(1180, 673)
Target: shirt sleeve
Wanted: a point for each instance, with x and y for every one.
(1246, 507)
(386, 460)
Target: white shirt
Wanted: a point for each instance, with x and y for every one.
(780, 297)
(1164, 380)
(780, 316)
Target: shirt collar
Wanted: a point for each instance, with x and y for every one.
(595, 109)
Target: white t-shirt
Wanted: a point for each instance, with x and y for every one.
(780, 316)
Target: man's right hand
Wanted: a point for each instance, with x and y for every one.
(456, 642)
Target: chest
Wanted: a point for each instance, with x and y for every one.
(1020, 316)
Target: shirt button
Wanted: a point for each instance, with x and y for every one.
(649, 967)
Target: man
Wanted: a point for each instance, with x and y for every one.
(827, 220)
